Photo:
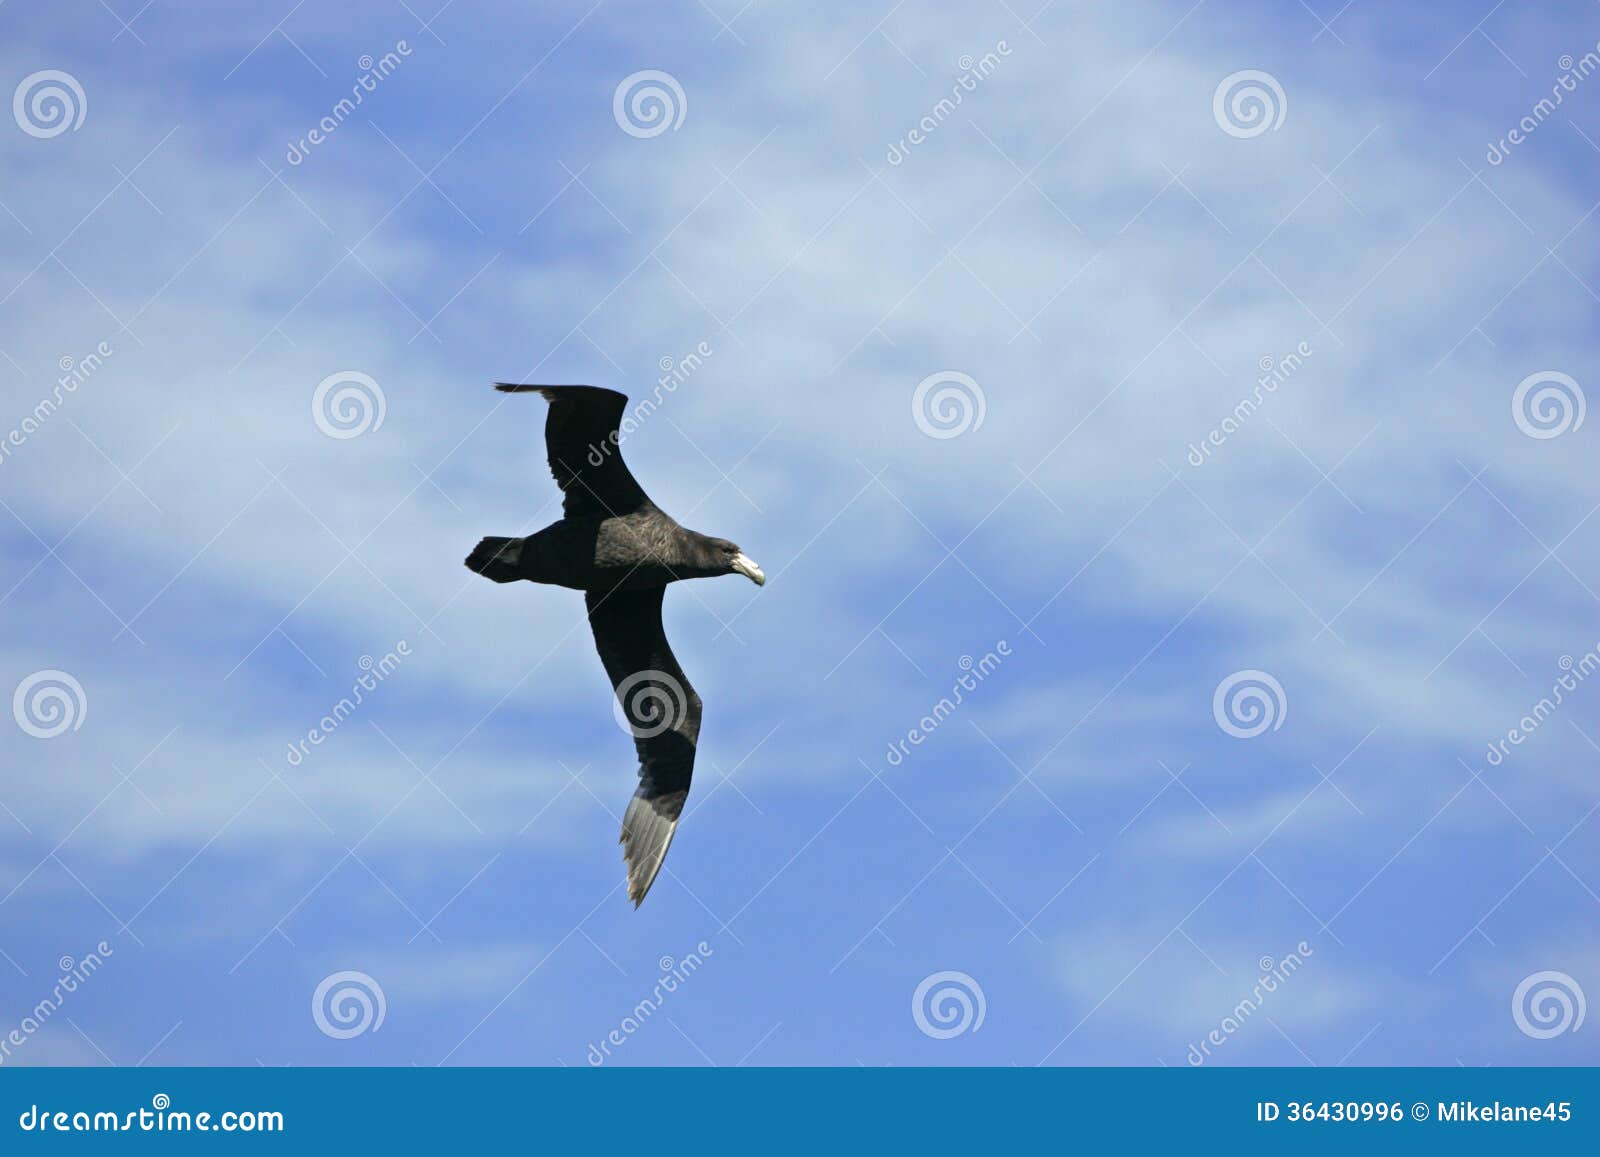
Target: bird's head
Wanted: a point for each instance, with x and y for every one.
(726, 558)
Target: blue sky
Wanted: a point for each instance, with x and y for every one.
(1109, 260)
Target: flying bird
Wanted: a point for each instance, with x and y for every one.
(621, 550)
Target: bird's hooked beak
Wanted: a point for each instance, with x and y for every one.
(747, 567)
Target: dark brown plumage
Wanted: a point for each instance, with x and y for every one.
(621, 550)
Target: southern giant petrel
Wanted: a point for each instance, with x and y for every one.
(621, 550)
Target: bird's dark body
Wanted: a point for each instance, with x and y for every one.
(621, 550)
(635, 551)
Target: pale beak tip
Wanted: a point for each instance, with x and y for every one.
(747, 567)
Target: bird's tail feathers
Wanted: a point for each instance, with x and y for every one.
(497, 559)
(647, 830)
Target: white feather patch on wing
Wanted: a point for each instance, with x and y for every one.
(647, 830)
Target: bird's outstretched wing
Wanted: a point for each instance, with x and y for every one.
(662, 711)
(580, 438)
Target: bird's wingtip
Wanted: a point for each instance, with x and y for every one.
(647, 830)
